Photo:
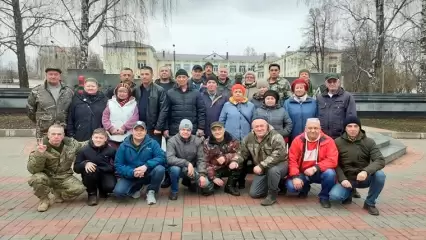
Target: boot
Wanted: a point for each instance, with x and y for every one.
(241, 183)
(269, 200)
(43, 205)
(92, 199)
(230, 187)
(355, 193)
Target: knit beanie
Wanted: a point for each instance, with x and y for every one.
(272, 93)
(239, 86)
(299, 81)
(352, 119)
(125, 85)
(181, 72)
(260, 83)
(211, 78)
(185, 123)
(305, 71)
(92, 80)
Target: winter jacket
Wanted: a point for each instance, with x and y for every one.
(129, 157)
(157, 108)
(213, 109)
(225, 87)
(85, 115)
(332, 111)
(165, 86)
(266, 154)
(327, 155)
(251, 89)
(102, 156)
(53, 163)
(185, 105)
(237, 118)
(299, 113)
(213, 150)
(43, 110)
(282, 86)
(357, 156)
(277, 117)
(181, 152)
(116, 116)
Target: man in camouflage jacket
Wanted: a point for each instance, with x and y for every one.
(279, 84)
(221, 155)
(266, 147)
(50, 166)
(48, 103)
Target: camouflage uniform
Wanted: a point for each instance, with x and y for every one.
(44, 111)
(282, 86)
(52, 170)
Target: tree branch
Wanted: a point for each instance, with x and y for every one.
(71, 16)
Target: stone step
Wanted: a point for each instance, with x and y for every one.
(381, 140)
(394, 151)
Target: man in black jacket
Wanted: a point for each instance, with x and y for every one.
(95, 163)
(185, 102)
(126, 76)
(152, 104)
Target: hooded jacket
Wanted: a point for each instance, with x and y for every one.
(102, 156)
(362, 154)
(129, 157)
(327, 154)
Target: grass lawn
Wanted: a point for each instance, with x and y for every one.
(398, 125)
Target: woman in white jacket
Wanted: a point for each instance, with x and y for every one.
(120, 114)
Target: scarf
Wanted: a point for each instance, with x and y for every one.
(236, 101)
(300, 99)
(123, 102)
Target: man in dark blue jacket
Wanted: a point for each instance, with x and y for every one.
(139, 161)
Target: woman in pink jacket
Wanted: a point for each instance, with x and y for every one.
(120, 114)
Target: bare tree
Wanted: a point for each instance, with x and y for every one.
(421, 86)
(249, 51)
(23, 21)
(87, 18)
(94, 61)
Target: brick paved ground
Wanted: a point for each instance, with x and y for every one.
(402, 205)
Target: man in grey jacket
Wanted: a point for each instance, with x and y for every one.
(184, 155)
(334, 106)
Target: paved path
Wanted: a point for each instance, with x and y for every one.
(402, 205)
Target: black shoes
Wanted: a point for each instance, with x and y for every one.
(355, 193)
(347, 201)
(372, 210)
(92, 200)
(270, 199)
(173, 196)
(325, 203)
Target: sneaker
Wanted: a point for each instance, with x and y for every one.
(43, 205)
(58, 198)
(150, 197)
(372, 210)
(173, 196)
(136, 194)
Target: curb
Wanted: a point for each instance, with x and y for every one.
(405, 135)
(17, 132)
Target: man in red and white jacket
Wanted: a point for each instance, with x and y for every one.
(313, 156)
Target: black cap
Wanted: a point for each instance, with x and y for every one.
(352, 119)
(181, 72)
(261, 117)
(197, 67)
(53, 69)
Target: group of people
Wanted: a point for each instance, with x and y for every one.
(214, 128)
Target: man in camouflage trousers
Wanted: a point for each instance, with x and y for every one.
(50, 166)
(48, 103)
(279, 84)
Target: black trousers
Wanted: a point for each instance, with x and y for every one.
(98, 180)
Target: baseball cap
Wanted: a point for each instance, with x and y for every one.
(197, 67)
(139, 124)
(216, 124)
(331, 76)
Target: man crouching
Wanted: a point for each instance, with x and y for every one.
(51, 165)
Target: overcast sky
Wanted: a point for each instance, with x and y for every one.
(204, 26)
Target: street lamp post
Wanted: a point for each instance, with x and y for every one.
(174, 59)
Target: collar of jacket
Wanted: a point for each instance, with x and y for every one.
(232, 100)
(60, 83)
(227, 138)
(360, 136)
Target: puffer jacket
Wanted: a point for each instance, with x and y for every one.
(181, 152)
(277, 117)
(185, 105)
(237, 118)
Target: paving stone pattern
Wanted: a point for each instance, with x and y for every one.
(192, 217)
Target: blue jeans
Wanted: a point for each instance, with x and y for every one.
(375, 182)
(126, 187)
(176, 173)
(327, 180)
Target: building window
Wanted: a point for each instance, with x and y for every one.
(251, 68)
(141, 53)
(215, 68)
(177, 66)
(141, 64)
(332, 58)
(260, 75)
(332, 68)
(232, 69)
(242, 69)
(187, 67)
